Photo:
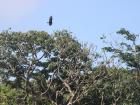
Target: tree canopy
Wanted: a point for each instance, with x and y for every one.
(37, 68)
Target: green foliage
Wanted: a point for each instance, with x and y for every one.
(9, 96)
(119, 87)
(128, 51)
(44, 66)
(41, 69)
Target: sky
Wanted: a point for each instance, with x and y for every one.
(87, 19)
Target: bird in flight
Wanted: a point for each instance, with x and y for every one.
(50, 20)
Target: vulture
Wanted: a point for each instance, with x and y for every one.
(50, 20)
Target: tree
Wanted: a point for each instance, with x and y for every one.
(49, 69)
(119, 87)
(128, 52)
(41, 69)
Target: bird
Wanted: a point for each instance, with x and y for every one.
(50, 20)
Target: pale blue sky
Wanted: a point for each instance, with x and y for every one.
(87, 19)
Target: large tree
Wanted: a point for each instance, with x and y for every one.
(48, 69)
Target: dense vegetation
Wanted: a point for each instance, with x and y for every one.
(41, 69)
